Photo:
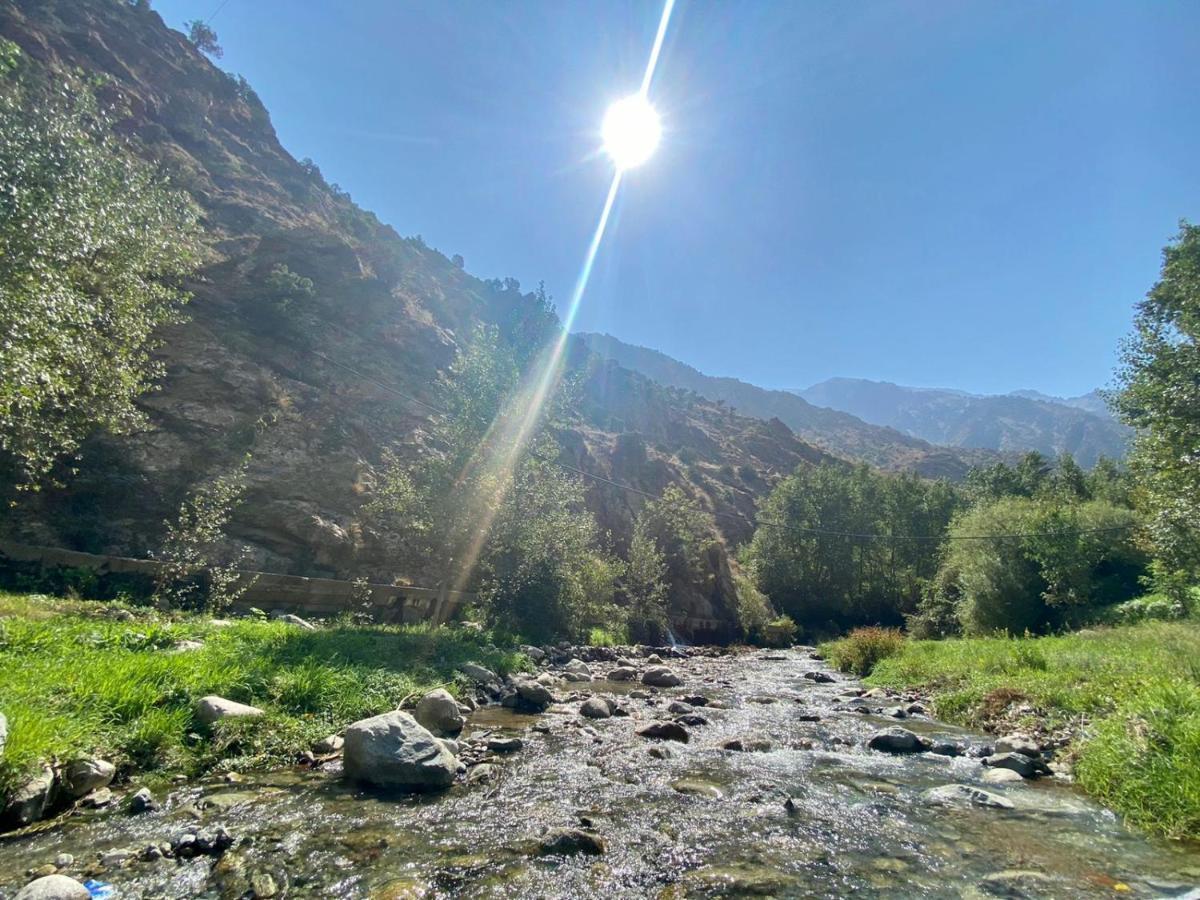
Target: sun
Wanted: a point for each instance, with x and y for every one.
(631, 131)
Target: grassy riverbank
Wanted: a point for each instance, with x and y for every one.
(82, 677)
(1130, 696)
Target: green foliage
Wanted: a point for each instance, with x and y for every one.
(93, 243)
(1058, 557)
(1139, 686)
(203, 38)
(836, 578)
(645, 586)
(780, 631)
(864, 648)
(756, 619)
(488, 500)
(194, 575)
(1160, 397)
(285, 287)
(74, 681)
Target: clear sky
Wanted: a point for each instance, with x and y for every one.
(961, 194)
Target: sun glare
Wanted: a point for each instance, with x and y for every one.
(631, 131)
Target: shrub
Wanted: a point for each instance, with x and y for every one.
(754, 610)
(860, 650)
(780, 632)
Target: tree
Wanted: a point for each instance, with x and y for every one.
(94, 244)
(203, 38)
(1160, 397)
(646, 587)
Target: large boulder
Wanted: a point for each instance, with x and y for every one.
(579, 668)
(212, 709)
(665, 731)
(622, 673)
(28, 802)
(661, 676)
(84, 775)
(1019, 743)
(898, 740)
(438, 711)
(1025, 766)
(477, 673)
(596, 708)
(394, 750)
(53, 887)
(533, 695)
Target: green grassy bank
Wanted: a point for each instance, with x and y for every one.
(76, 678)
(1130, 695)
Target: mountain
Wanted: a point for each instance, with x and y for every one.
(840, 433)
(323, 390)
(1092, 401)
(1016, 422)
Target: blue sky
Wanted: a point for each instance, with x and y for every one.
(965, 194)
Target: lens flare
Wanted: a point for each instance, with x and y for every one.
(631, 131)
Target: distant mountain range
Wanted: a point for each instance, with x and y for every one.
(933, 431)
(838, 432)
(1016, 422)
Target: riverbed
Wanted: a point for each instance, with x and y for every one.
(814, 814)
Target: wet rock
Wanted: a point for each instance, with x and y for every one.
(212, 709)
(661, 752)
(394, 750)
(818, 677)
(661, 676)
(28, 802)
(42, 871)
(53, 887)
(692, 720)
(479, 674)
(898, 740)
(1025, 766)
(808, 715)
(114, 859)
(1016, 883)
(677, 706)
(438, 712)
(639, 695)
(895, 712)
(291, 619)
(1019, 743)
(142, 801)
(505, 744)
(965, 795)
(570, 842)
(654, 659)
(64, 860)
(946, 748)
(1002, 776)
(697, 787)
(664, 731)
(263, 886)
(596, 708)
(578, 667)
(622, 673)
(481, 772)
(533, 695)
(86, 774)
(695, 700)
(98, 799)
(331, 744)
(213, 841)
(750, 743)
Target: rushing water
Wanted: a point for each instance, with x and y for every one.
(703, 822)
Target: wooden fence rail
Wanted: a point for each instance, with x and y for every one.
(317, 597)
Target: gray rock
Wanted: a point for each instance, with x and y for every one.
(898, 740)
(578, 667)
(291, 619)
(1001, 776)
(595, 708)
(477, 673)
(661, 676)
(622, 673)
(965, 795)
(748, 744)
(450, 745)
(393, 749)
(679, 707)
(98, 798)
(1019, 743)
(1025, 766)
(819, 677)
(534, 695)
(212, 709)
(438, 712)
(665, 731)
(86, 774)
(28, 802)
(570, 842)
(537, 654)
(654, 659)
(142, 801)
(331, 744)
(505, 744)
(53, 887)
(262, 886)
(946, 748)
(691, 719)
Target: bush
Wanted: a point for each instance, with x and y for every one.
(779, 632)
(860, 650)
(754, 611)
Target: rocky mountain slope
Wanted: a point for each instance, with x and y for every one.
(316, 388)
(1014, 422)
(838, 432)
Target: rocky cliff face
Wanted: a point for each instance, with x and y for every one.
(317, 387)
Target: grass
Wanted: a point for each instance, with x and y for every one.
(862, 648)
(74, 679)
(1130, 695)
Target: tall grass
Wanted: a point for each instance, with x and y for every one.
(1137, 686)
(860, 650)
(75, 680)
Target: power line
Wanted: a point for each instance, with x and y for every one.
(213, 14)
(758, 523)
